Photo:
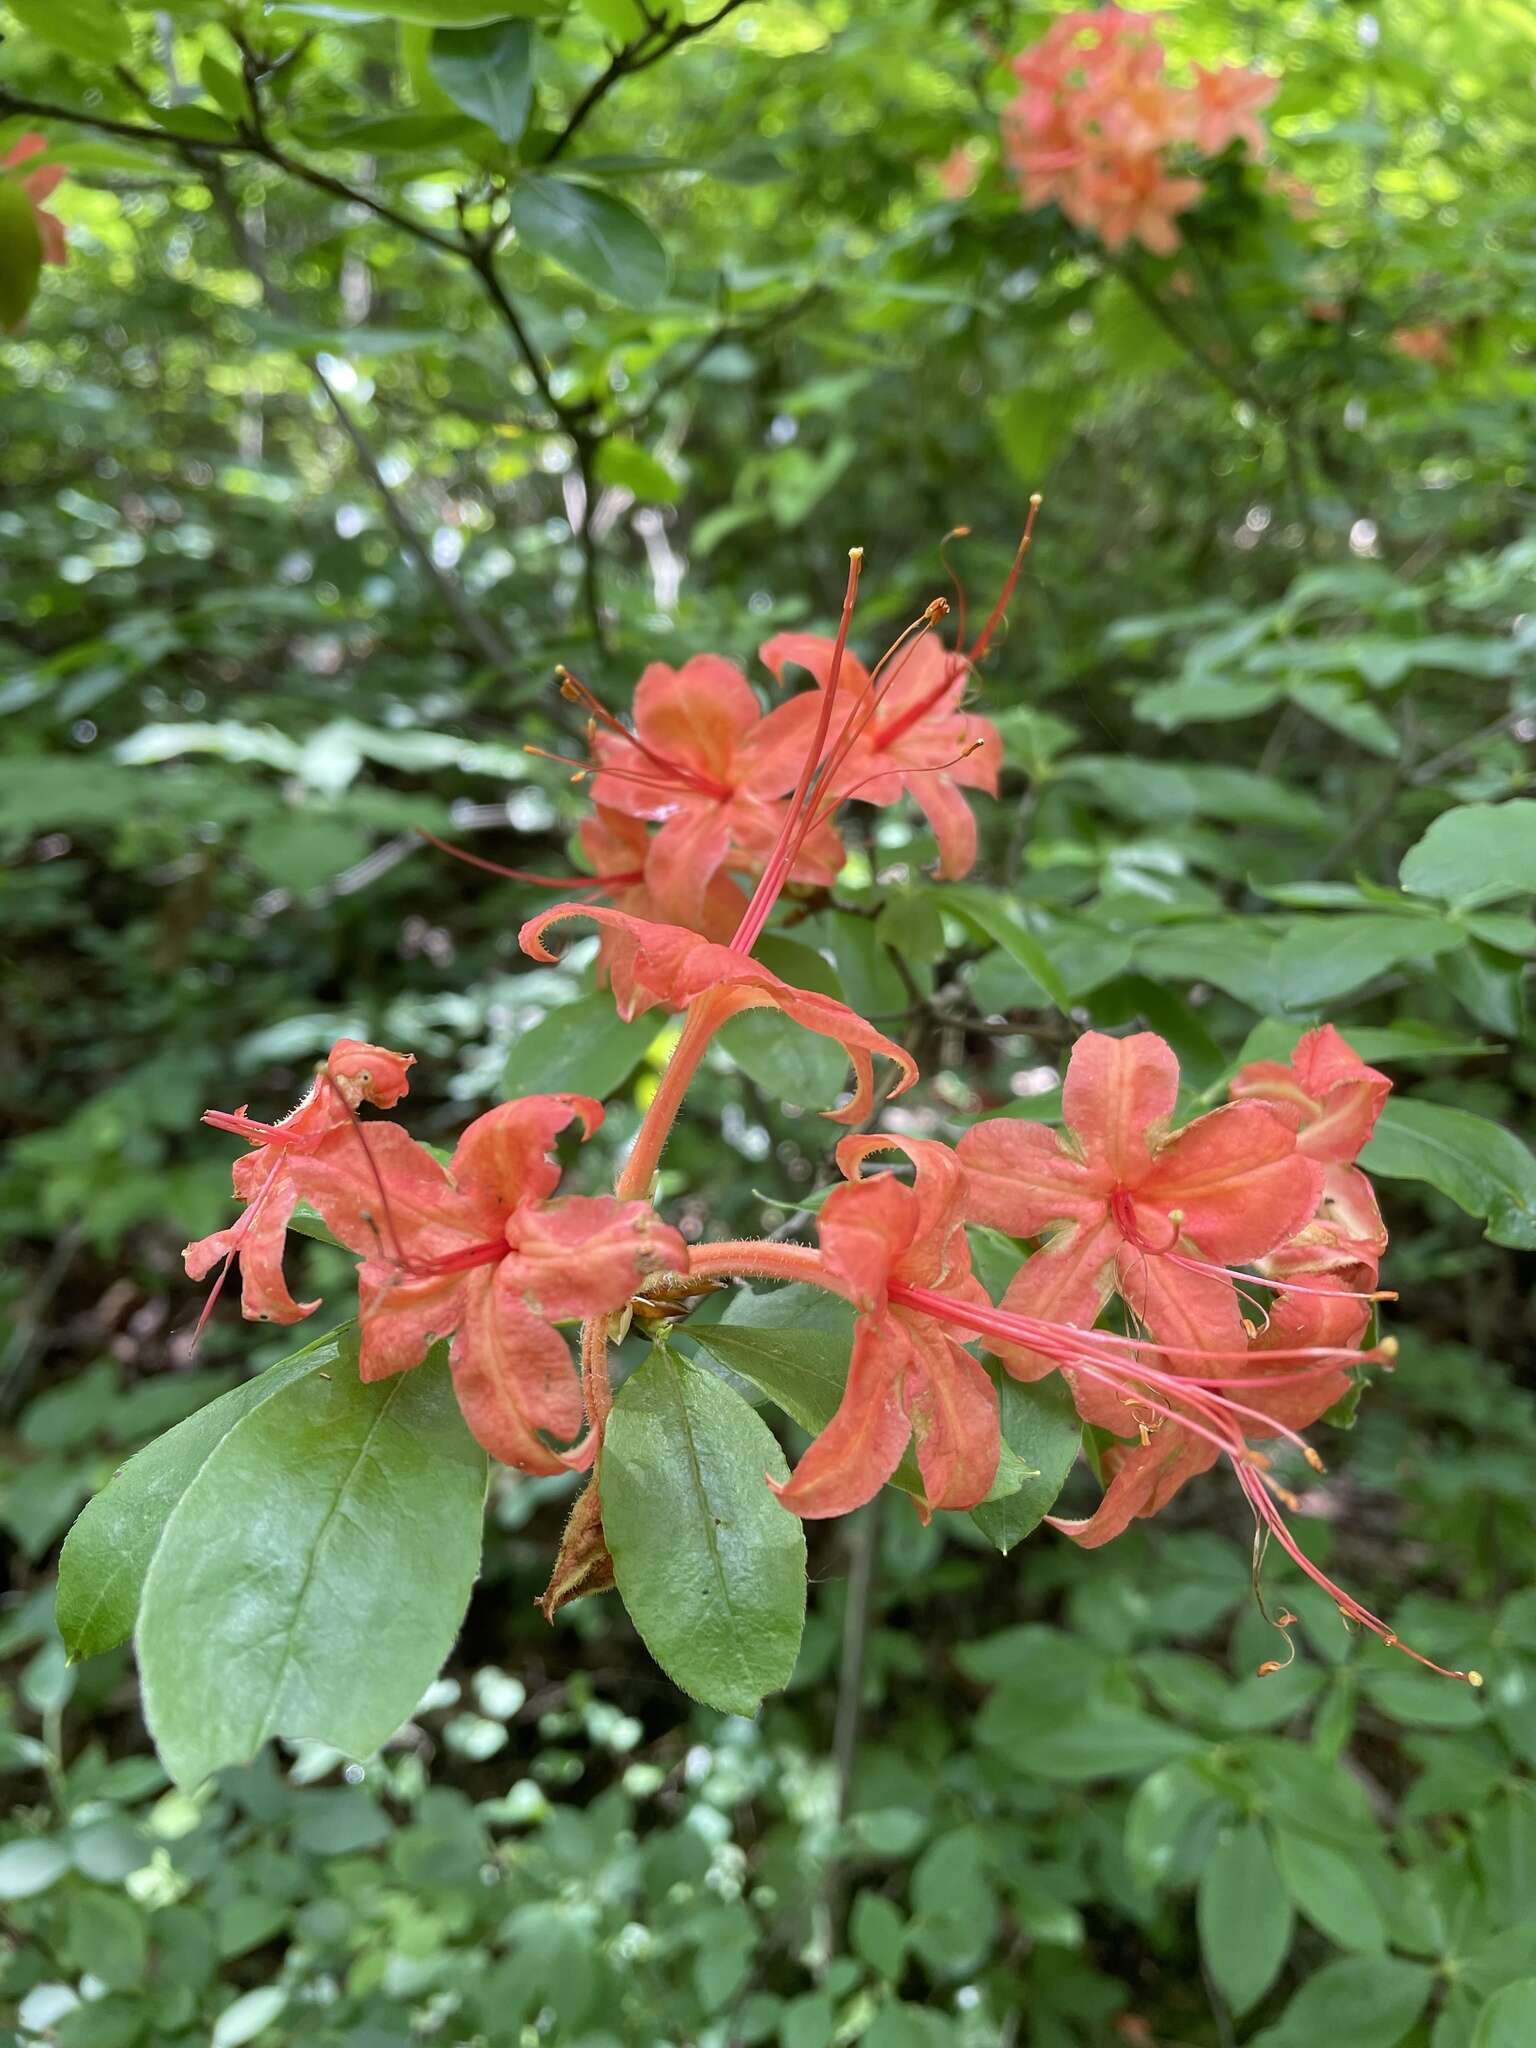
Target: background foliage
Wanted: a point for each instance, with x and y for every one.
(296, 522)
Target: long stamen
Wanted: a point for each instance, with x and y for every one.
(494, 867)
(776, 872)
(577, 692)
(984, 637)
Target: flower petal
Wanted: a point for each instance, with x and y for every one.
(1117, 1098)
(813, 652)
(1020, 1178)
(1145, 1478)
(1180, 1307)
(585, 1255)
(862, 1445)
(864, 1229)
(684, 858)
(954, 1412)
(504, 1155)
(400, 1319)
(1236, 1178)
(388, 1199)
(951, 819)
(696, 714)
(513, 1376)
(1067, 1281)
(936, 1200)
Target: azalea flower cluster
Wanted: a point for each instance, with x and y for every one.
(1241, 1250)
(1098, 128)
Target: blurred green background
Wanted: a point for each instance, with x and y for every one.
(296, 522)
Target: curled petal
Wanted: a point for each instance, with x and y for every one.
(936, 1200)
(513, 1376)
(369, 1073)
(865, 1229)
(504, 1154)
(1145, 1477)
(586, 1254)
(862, 1445)
(658, 963)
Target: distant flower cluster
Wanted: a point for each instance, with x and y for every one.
(1097, 125)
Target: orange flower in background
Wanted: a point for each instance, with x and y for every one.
(1093, 128)
(1428, 344)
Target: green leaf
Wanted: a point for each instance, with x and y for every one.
(21, 254)
(629, 467)
(1322, 958)
(996, 918)
(583, 1048)
(107, 1553)
(1477, 853)
(94, 31)
(1042, 1431)
(1508, 2020)
(1327, 1885)
(593, 235)
(710, 1567)
(1367, 2001)
(1101, 1740)
(1482, 1167)
(312, 1577)
(488, 72)
(30, 1867)
(434, 13)
(789, 1063)
(1244, 1916)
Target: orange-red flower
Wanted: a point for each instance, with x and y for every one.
(908, 1378)
(661, 963)
(1094, 125)
(905, 732)
(354, 1072)
(705, 763)
(1137, 1209)
(477, 1251)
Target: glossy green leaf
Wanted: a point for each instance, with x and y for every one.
(1042, 1432)
(1508, 2020)
(710, 1567)
(312, 1577)
(629, 467)
(789, 1063)
(1477, 853)
(96, 32)
(488, 72)
(1368, 2001)
(1244, 1916)
(996, 918)
(1327, 1885)
(21, 254)
(1482, 1167)
(582, 1048)
(107, 1553)
(593, 235)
